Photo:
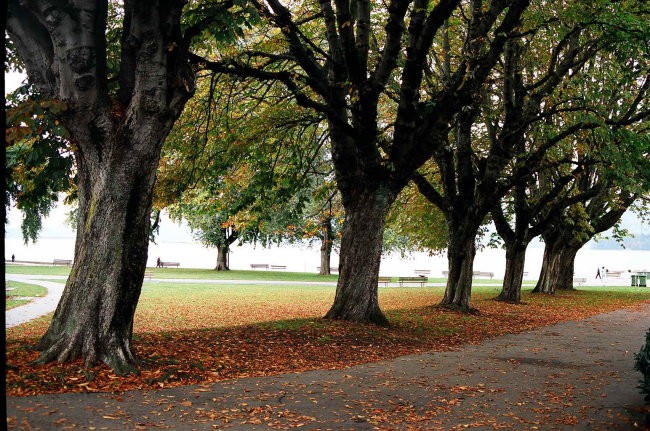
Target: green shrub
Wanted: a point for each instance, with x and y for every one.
(642, 364)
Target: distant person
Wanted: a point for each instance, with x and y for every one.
(13, 257)
(158, 263)
(598, 273)
(603, 273)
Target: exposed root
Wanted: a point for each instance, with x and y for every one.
(120, 358)
(505, 298)
(376, 318)
(466, 309)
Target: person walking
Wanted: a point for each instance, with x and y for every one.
(13, 257)
(598, 273)
(158, 263)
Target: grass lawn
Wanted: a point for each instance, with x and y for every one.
(13, 303)
(21, 290)
(209, 274)
(192, 273)
(191, 333)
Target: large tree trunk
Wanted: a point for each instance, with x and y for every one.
(557, 268)
(460, 255)
(326, 247)
(116, 140)
(94, 318)
(228, 237)
(515, 259)
(356, 297)
(222, 258)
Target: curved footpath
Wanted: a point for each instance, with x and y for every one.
(39, 306)
(571, 376)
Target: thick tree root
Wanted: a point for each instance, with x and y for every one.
(376, 317)
(117, 355)
(466, 309)
(505, 298)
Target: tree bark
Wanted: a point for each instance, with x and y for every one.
(116, 143)
(326, 247)
(557, 268)
(222, 258)
(515, 259)
(228, 237)
(94, 318)
(460, 255)
(356, 297)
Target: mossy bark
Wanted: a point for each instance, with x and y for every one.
(94, 318)
(116, 138)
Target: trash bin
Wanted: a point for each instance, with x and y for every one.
(635, 280)
(642, 280)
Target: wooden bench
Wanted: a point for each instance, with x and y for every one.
(415, 280)
(164, 264)
(260, 266)
(422, 271)
(282, 267)
(384, 280)
(62, 262)
(580, 280)
(483, 274)
(148, 274)
(332, 269)
(445, 273)
(613, 274)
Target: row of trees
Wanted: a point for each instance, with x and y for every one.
(530, 115)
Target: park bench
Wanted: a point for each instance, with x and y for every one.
(384, 280)
(410, 280)
(168, 264)
(148, 274)
(260, 266)
(422, 271)
(614, 274)
(580, 280)
(445, 273)
(282, 267)
(62, 262)
(332, 268)
(483, 274)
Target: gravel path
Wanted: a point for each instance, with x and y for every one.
(570, 376)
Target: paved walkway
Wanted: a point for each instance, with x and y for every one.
(570, 376)
(39, 306)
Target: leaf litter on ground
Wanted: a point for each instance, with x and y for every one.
(211, 350)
